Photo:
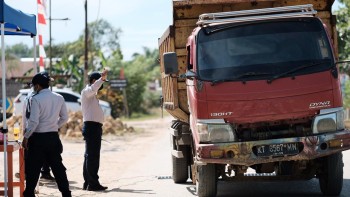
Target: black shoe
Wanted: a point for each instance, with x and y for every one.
(47, 177)
(96, 188)
(85, 186)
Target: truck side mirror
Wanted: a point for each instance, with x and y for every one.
(170, 63)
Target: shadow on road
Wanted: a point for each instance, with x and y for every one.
(276, 189)
(131, 191)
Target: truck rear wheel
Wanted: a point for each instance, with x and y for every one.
(180, 166)
(331, 177)
(206, 183)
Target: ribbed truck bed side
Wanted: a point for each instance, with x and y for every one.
(185, 16)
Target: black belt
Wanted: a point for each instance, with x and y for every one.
(92, 123)
(46, 133)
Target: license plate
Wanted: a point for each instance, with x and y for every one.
(277, 149)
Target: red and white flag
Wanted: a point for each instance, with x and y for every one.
(41, 28)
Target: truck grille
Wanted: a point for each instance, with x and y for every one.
(265, 132)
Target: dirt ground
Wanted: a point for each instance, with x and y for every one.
(117, 153)
(139, 164)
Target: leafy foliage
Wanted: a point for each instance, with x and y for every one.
(346, 92)
(143, 68)
(104, 52)
(343, 27)
(140, 70)
(20, 50)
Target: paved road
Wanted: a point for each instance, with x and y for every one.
(140, 165)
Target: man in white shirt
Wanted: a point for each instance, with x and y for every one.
(48, 112)
(45, 170)
(92, 130)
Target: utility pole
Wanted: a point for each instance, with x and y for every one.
(86, 67)
(50, 49)
(50, 34)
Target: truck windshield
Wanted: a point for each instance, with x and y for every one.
(273, 47)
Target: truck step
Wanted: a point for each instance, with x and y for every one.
(266, 177)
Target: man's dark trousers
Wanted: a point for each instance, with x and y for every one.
(45, 170)
(41, 147)
(92, 132)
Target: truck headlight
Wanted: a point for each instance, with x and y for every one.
(215, 133)
(329, 122)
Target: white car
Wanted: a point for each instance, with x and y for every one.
(72, 101)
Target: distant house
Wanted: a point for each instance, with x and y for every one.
(15, 70)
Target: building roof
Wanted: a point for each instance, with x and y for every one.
(16, 68)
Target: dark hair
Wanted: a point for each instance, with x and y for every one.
(94, 75)
(43, 79)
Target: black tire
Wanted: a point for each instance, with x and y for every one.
(331, 177)
(180, 167)
(206, 183)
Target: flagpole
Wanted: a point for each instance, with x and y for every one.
(4, 126)
(41, 27)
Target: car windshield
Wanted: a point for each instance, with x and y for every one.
(271, 48)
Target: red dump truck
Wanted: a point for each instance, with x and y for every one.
(254, 86)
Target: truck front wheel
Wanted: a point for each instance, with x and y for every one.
(206, 183)
(331, 177)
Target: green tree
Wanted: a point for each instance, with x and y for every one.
(70, 67)
(141, 69)
(104, 51)
(14, 53)
(102, 37)
(346, 100)
(343, 28)
(20, 50)
(113, 96)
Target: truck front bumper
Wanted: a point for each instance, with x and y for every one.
(244, 153)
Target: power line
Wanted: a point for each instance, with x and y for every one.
(50, 34)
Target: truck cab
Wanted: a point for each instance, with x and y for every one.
(263, 93)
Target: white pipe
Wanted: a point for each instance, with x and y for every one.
(4, 102)
(35, 66)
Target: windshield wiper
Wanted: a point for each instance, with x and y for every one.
(244, 75)
(296, 69)
(251, 74)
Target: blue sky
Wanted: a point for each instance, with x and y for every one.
(142, 21)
